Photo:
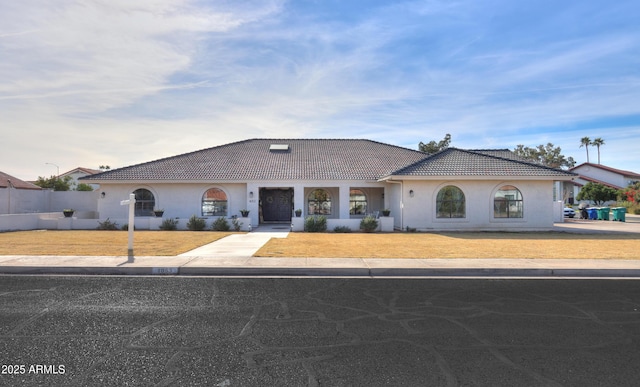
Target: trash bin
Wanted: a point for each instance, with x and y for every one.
(603, 213)
(593, 213)
(618, 214)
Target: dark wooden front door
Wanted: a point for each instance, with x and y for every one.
(276, 204)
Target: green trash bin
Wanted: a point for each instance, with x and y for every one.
(618, 214)
(603, 213)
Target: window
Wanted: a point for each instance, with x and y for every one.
(507, 203)
(357, 202)
(319, 202)
(145, 202)
(214, 203)
(450, 203)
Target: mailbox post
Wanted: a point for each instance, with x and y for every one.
(132, 208)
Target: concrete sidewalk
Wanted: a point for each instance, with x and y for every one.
(233, 256)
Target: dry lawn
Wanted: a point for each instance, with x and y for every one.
(104, 243)
(455, 245)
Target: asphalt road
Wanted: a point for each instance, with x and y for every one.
(186, 331)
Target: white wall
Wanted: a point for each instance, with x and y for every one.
(420, 210)
(602, 175)
(24, 201)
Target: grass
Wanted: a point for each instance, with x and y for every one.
(327, 245)
(454, 245)
(103, 243)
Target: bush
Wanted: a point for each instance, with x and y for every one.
(237, 225)
(169, 224)
(220, 224)
(315, 223)
(196, 224)
(342, 229)
(125, 227)
(107, 225)
(369, 224)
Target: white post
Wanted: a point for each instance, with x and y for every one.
(132, 208)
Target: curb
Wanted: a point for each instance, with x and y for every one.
(322, 272)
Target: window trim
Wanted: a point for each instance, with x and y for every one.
(508, 201)
(144, 211)
(437, 208)
(329, 200)
(202, 201)
(366, 202)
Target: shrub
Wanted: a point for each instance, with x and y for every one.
(237, 225)
(125, 227)
(342, 229)
(369, 224)
(169, 224)
(196, 224)
(315, 223)
(220, 224)
(107, 225)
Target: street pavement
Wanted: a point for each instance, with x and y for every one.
(233, 256)
(203, 331)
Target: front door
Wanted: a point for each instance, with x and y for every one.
(276, 204)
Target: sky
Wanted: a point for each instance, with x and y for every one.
(85, 83)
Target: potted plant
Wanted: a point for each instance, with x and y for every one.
(298, 213)
(158, 213)
(386, 212)
(68, 212)
(244, 213)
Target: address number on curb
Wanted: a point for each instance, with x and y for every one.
(164, 270)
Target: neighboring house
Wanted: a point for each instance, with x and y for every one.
(343, 180)
(78, 173)
(598, 173)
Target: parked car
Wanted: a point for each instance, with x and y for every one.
(569, 212)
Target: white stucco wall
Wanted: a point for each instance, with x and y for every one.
(420, 210)
(601, 175)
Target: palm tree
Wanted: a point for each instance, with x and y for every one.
(597, 142)
(585, 141)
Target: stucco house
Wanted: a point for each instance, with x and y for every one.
(78, 173)
(342, 179)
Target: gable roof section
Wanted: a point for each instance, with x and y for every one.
(481, 162)
(614, 170)
(8, 181)
(305, 159)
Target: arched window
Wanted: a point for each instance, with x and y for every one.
(319, 202)
(450, 203)
(145, 202)
(357, 202)
(214, 203)
(507, 203)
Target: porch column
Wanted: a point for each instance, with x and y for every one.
(298, 199)
(343, 201)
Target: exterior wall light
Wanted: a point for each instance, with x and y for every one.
(251, 194)
(103, 194)
(411, 193)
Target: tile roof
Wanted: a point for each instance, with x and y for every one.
(7, 180)
(305, 159)
(487, 162)
(324, 159)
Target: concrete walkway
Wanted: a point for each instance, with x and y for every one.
(232, 256)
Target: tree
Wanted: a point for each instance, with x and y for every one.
(547, 155)
(434, 147)
(597, 142)
(54, 182)
(598, 193)
(585, 142)
(104, 167)
(84, 187)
